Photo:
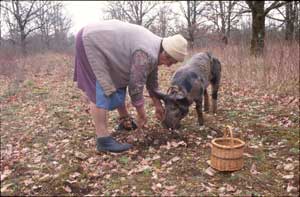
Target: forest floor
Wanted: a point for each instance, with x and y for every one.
(48, 144)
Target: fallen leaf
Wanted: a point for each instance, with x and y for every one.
(154, 175)
(107, 176)
(230, 188)
(80, 155)
(28, 182)
(210, 171)
(222, 189)
(253, 170)
(290, 188)
(67, 189)
(272, 155)
(5, 187)
(5, 174)
(253, 146)
(174, 159)
(92, 160)
(170, 187)
(75, 175)
(248, 155)
(175, 144)
(208, 162)
(290, 176)
(155, 157)
(65, 141)
(139, 169)
(278, 166)
(289, 167)
(44, 177)
(208, 189)
(37, 159)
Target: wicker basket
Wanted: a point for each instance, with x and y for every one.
(227, 152)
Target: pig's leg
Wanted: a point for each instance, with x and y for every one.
(214, 95)
(199, 111)
(206, 101)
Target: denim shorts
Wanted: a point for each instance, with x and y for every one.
(111, 102)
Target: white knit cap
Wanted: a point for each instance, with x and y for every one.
(175, 46)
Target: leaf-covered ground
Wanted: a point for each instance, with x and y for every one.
(48, 144)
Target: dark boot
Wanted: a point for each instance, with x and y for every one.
(126, 123)
(111, 145)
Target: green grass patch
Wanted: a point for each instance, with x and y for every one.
(124, 160)
(294, 150)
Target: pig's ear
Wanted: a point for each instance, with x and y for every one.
(180, 95)
(160, 95)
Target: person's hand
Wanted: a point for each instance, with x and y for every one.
(159, 110)
(141, 117)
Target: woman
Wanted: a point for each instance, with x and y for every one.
(113, 55)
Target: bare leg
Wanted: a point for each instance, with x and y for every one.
(100, 119)
(123, 111)
(104, 141)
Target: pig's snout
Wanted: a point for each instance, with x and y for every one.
(170, 124)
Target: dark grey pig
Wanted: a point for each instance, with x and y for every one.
(189, 84)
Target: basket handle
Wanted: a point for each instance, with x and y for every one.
(228, 133)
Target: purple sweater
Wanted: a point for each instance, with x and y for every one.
(123, 54)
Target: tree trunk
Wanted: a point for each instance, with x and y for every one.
(297, 21)
(290, 20)
(23, 43)
(0, 33)
(191, 36)
(258, 28)
(190, 28)
(0, 24)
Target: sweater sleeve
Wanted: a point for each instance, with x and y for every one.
(152, 82)
(138, 77)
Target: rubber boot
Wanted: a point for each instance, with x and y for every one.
(109, 144)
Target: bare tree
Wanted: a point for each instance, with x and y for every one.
(192, 11)
(291, 19)
(1, 18)
(163, 20)
(113, 10)
(137, 12)
(164, 25)
(54, 24)
(61, 25)
(259, 13)
(45, 21)
(23, 15)
(224, 15)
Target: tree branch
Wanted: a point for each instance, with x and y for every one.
(250, 4)
(274, 5)
(277, 19)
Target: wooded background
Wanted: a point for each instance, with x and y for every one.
(34, 26)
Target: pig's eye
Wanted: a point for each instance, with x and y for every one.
(174, 107)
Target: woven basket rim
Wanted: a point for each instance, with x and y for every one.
(242, 143)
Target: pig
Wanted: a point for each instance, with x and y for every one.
(189, 84)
